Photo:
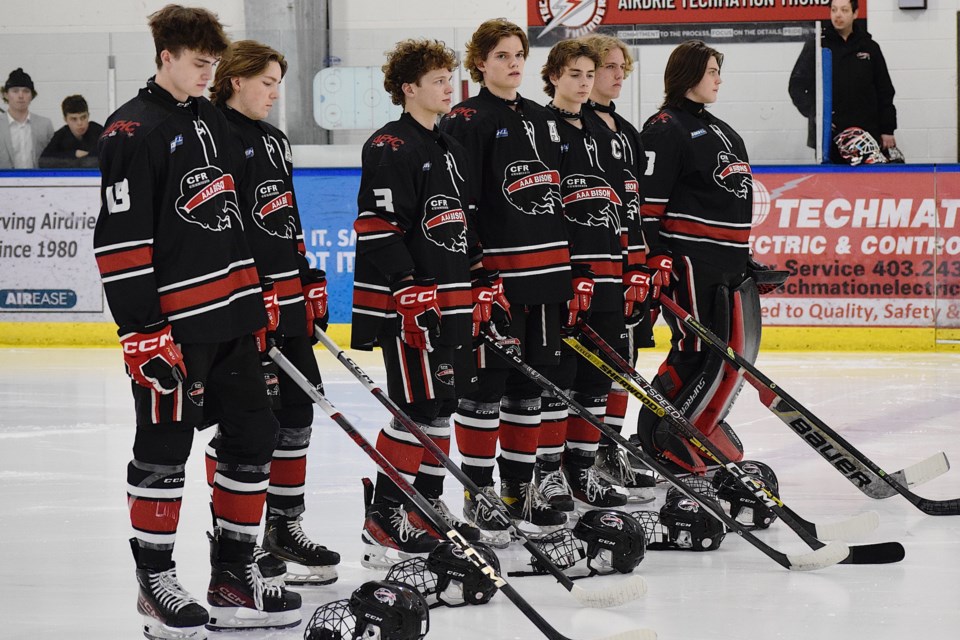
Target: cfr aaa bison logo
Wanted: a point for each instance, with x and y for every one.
(590, 201)
(531, 187)
(733, 174)
(272, 209)
(445, 223)
(208, 198)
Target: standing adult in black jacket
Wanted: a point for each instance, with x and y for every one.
(697, 212)
(862, 89)
(246, 87)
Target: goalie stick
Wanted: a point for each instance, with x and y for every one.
(843, 456)
(425, 507)
(832, 553)
(810, 533)
(630, 589)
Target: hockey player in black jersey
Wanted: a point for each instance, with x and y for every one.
(626, 150)
(412, 289)
(514, 148)
(592, 209)
(245, 88)
(697, 213)
(184, 290)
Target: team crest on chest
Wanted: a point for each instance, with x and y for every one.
(531, 187)
(445, 223)
(208, 198)
(271, 210)
(733, 174)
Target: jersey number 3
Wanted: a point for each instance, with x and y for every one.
(384, 199)
(118, 197)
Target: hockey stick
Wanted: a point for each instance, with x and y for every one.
(830, 554)
(809, 532)
(425, 507)
(843, 456)
(630, 589)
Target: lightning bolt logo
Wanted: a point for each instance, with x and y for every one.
(561, 11)
(787, 186)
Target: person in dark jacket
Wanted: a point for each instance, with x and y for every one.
(74, 144)
(862, 89)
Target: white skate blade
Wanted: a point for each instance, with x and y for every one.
(302, 575)
(156, 630)
(535, 531)
(237, 618)
(641, 495)
(496, 539)
(377, 556)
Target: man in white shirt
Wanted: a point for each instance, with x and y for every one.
(23, 135)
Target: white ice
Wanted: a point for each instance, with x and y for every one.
(66, 569)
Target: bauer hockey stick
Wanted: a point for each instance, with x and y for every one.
(425, 507)
(880, 553)
(843, 456)
(630, 588)
(831, 553)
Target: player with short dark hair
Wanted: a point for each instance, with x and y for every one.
(75, 143)
(412, 294)
(245, 88)
(514, 150)
(697, 212)
(182, 285)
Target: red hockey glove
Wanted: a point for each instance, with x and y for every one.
(153, 360)
(578, 309)
(315, 297)
(418, 312)
(490, 305)
(661, 265)
(636, 288)
(266, 336)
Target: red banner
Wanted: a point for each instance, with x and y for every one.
(870, 249)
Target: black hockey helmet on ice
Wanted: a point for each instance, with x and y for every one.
(397, 610)
(743, 505)
(615, 540)
(459, 581)
(689, 525)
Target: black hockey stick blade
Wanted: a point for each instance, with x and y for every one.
(626, 590)
(654, 400)
(843, 456)
(830, 554)
(424, 505)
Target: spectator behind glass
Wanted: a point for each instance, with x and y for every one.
(862, 89)
(75, 144)
(23, 135)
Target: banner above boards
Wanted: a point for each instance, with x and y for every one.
(643, 22)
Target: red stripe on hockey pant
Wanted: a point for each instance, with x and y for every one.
(204, 293)
(579, 430)
(288, 472)
(553, 433)
(158, 516)
(429, 458)
(240, 508)
(123, 260)
(404, 456)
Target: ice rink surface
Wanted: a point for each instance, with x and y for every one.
(66, 571)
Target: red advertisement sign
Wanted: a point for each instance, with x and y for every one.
(552, 20)
(866, 249)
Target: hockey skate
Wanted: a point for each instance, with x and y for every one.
(307, 563)
(272, 568)
(469, 532)
(554, 487)
(241, 599)
(169, 612)
(525, 503)
(614, 466)
(593, 490)
(492, 531)
(388, 534)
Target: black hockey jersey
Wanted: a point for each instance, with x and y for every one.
(698, 187)
(592, 208)
(169, 241)
(268, 208)
(626, 148)
(412, 220)
(513, 171)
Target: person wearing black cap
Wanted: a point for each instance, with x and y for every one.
(23, 135)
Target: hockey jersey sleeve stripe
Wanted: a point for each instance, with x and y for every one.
(679, 237)
(697, 229)
(652, 210)
(218, 304)
(135, 258)
(531, 260)
(368, 223)
(202, 294)
(287, 287)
